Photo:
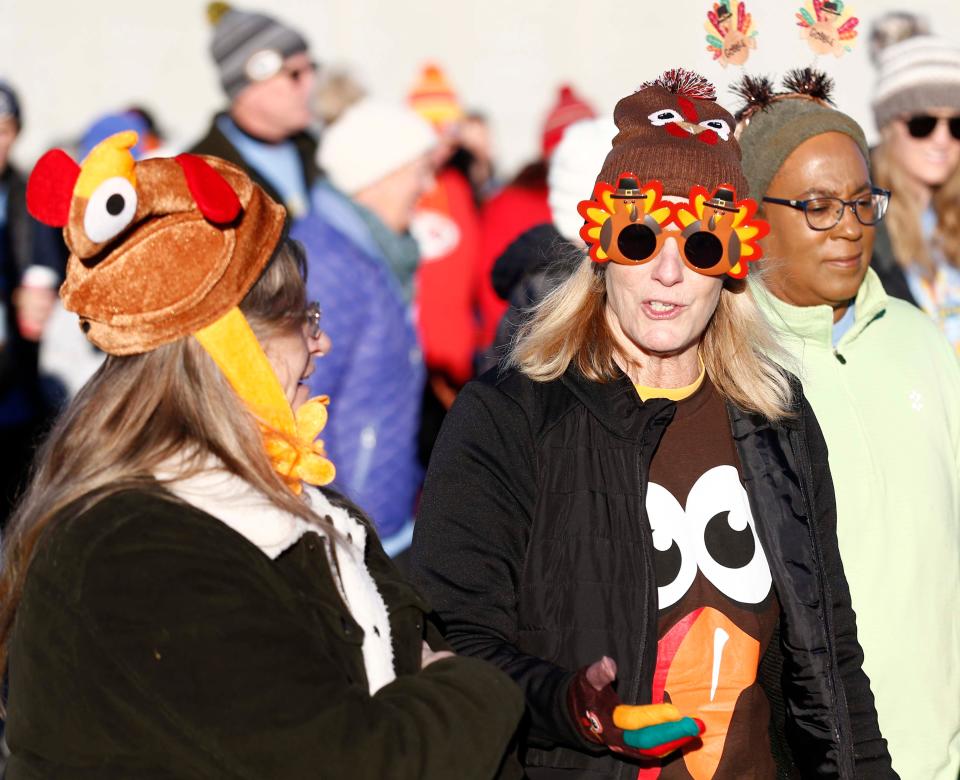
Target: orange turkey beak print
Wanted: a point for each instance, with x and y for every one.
(706, 647)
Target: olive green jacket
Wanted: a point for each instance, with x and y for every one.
(153, 641)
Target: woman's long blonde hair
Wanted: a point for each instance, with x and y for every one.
(136, 413)
(904, 214)
(569, 325)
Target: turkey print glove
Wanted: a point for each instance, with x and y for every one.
(637, 731)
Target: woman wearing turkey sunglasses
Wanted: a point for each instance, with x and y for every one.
(917, 109)
(637, 510)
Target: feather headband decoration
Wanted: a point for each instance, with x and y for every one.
(759, 92)
(812, 83)
(756, 92)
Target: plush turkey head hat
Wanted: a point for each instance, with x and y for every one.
(168, 248)
(159, 248)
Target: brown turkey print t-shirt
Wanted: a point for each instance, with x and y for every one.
(718, 609)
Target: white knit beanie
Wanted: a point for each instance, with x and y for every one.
(573, 171)
(371, 140)
(916, 75)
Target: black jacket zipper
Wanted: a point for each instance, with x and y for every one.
(626, 771)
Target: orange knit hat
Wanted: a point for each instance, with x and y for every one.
(434, 99)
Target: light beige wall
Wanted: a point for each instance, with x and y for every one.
(73, 60)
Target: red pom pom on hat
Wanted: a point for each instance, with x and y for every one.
(683, 82)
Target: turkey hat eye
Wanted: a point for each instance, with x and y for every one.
(719, 126)
(664, 116)
(110, 209)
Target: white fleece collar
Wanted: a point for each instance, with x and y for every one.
(240, 506)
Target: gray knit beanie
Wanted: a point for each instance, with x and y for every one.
(916, 75)
(775, 124)
(249, 46)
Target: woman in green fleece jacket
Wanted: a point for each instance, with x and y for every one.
(885, 387)
(180, 596)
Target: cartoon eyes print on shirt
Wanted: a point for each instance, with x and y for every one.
(110, 209)
(716, 534)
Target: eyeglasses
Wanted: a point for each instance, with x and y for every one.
(267, 63)
(312, 315)
(826, 213)
(296, 73)
(715, 233)
(923, 125)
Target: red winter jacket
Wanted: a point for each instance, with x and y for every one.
(505, 217)
(447, 228)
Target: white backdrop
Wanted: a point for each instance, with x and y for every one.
(73, 60)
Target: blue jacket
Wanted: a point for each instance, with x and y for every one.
(374, 376)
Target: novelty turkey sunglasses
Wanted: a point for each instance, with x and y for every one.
(716, 233)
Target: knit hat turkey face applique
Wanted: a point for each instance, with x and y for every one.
(672, 129)
(674, 140)
(167, 248)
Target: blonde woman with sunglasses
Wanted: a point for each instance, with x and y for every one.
(916, 105)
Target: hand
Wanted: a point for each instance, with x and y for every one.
(33, 305)
(445, 392)
(637, 731)
(428, 656)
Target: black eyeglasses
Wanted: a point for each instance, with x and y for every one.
(923, 125)
(826, 213)
(312, 315)
(295, 74)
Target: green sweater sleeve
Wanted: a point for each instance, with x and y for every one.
(189, 655)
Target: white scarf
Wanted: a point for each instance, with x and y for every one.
(244, 509)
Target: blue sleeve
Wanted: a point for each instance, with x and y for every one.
(373, 375)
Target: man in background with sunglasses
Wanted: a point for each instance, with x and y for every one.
(885, 387)
(916, 105)
(267, 73)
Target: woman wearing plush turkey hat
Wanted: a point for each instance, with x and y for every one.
(635, 518)
(180, 598)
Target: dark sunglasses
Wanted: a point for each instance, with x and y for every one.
(922, 125)
(702, 250)
(296, 74)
